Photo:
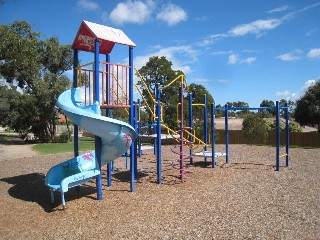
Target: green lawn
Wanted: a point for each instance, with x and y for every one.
(85, 144)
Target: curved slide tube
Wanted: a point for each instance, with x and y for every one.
(116, 137)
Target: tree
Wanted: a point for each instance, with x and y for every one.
(159, 70)
(254, 127)
(32, 69)
(219, 113)
(198, 91)
(291, 106)
(267, 112)
(307, 110)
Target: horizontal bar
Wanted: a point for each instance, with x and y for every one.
(107, 106)
(198, 104)
(247, 108)
(283, 155)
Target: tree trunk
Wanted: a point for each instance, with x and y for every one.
(69, 132)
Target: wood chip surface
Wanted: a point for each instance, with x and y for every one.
(245, 199)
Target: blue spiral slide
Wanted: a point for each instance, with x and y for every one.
(116, 137)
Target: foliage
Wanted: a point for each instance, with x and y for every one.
(120, 114)
(62, 138)
(32, 69)
(241, 113)
(219, 113)
(159, 70)
(307, 110)
(291, 107)
(265, 113)
(294, 127)
(253, 128)
(198, 92)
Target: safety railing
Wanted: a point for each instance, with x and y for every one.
(113, 82)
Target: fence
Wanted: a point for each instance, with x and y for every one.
(303, 139)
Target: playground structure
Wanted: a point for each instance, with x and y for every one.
(185, 135)
(105, 85)
(112, 137)
(277, 107)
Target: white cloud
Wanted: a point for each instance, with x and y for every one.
(225, 81)
(248, 60)
(202, 80)
(314, 53)
(235, 58)
(180, 56)
(202, 18)
(211, 39)
(132, 12)
(291, 56)
(87, 5)
(279, 9)
(221, 53)
(172, 14)
(308, 84)
(256, 27)
(293, 96)
(311, 32)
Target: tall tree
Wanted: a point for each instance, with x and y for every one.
(307, 110)
(267, 112)
(291, 107)
(32, 69)
(159, 70)
(198, 91)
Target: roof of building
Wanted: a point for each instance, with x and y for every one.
(107, 36)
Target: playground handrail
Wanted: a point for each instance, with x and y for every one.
(145, 85)
(176, 79)
(195, 138)
(144, 99)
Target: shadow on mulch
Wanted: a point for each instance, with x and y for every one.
(202, 164)
(259, 166)
(239, 165)
(31, 188)
(13, 141)
(125, 176)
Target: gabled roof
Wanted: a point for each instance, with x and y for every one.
(108, 37)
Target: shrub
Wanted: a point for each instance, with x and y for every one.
(62, 138)
(254, 127)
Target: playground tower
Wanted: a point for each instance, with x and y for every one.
(102, 81)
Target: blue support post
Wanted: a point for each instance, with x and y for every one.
(190, 125)
(227, 133)
(75, 127)
(75, 84)
(97, 99)
(205, 123)
(277, 136)
(139, 128)
(108, 114)
(213, 137)
(287, 135)
(131, 116)
(135, 142)
(158, 128)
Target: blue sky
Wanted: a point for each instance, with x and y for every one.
(239, 50)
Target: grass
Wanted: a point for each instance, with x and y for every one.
(85, 144)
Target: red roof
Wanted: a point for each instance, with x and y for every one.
(107, 36)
